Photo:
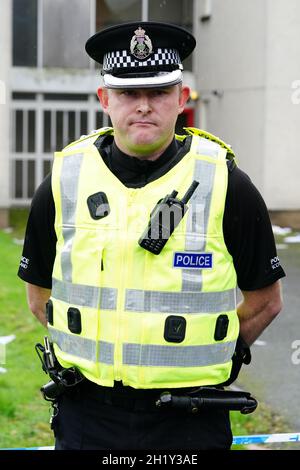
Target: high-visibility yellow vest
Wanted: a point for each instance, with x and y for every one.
(123, 313)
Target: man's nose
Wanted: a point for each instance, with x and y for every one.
(143, 105)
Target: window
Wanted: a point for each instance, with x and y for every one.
(179, 12)
(24, 178)
(18, 178)
(25, 33)
(25, 127)
(43, 126)
(66, 27)
(62, 126)
(110, 12)
(52, 33)
(30, 178)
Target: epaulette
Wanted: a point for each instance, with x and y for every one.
(213, 138)
(92, 135)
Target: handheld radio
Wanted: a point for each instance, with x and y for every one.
(164, 218)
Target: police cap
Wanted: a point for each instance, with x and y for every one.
(141, 54)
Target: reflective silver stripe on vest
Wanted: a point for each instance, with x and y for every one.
(177, 356)
(69, 188)
(104, 298)
(197, 221)
(83, 347)
(179, 302)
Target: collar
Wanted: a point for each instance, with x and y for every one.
(133, 164)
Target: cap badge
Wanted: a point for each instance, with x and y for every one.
(140, 44)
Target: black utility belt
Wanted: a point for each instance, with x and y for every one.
(193, 400)
(125, 391)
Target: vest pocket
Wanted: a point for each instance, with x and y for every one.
(49, 312)
(74, 320)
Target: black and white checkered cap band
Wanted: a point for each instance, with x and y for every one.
(123, 59)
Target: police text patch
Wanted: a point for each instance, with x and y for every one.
(192, 260)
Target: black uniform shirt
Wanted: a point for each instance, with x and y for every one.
(247, 229)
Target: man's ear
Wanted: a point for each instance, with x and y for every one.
(103, 98)
(183, 98)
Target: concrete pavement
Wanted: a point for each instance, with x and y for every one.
(272, 376)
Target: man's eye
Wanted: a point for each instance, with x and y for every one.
(159, 92)
(128, 92)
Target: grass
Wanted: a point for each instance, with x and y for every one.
(262, 421)
(24, 415)
(17, 219)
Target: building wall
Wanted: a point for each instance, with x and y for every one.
(248, 52)
(5, 47)
(231, 61)
(282, 135)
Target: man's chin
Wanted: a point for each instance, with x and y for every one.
(146, 153)
(145, 146)
(144, 138)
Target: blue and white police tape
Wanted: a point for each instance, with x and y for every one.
(237, 440)
(266, 438)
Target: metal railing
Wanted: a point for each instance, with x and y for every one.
(40, 126)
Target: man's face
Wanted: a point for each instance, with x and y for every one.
(144, 119)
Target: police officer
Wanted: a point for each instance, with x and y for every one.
(134, 322)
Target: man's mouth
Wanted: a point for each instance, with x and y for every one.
(143, 123)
